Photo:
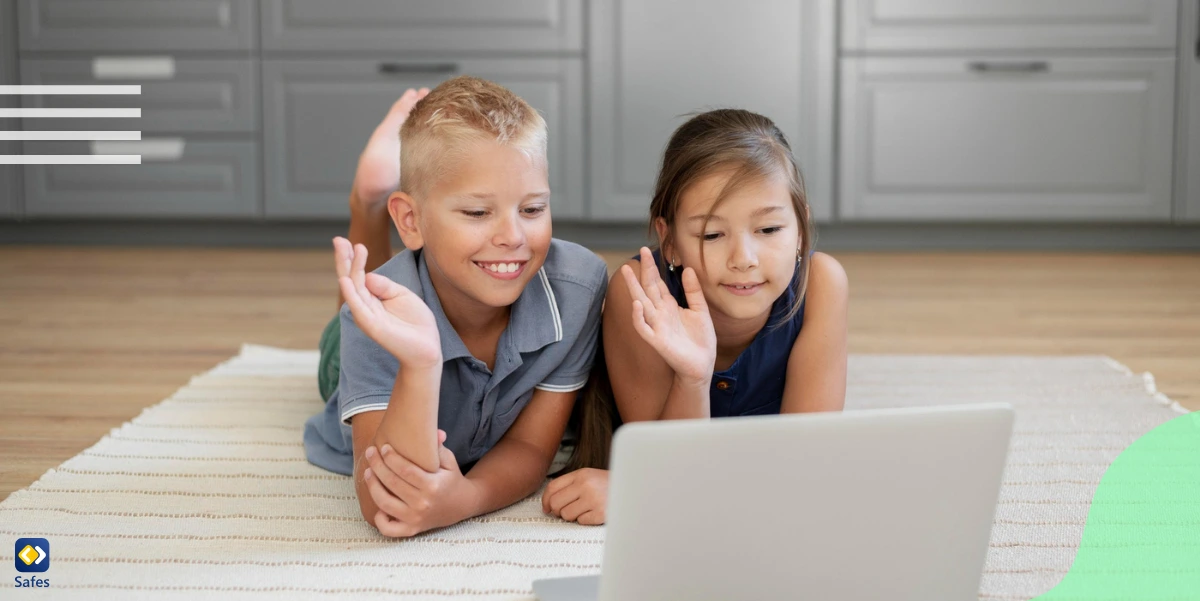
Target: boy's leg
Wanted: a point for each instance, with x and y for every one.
(330, 364)
(377, 176)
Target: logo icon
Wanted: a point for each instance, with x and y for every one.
(32, 555)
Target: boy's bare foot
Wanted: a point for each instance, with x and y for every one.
(378, 173)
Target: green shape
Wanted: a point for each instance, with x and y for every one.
(1142, 536)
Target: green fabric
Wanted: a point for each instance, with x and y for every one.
(331, 358)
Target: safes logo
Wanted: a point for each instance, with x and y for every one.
(33, 555)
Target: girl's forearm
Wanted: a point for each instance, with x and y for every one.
(686, 400)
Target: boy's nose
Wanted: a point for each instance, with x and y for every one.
(509, 232)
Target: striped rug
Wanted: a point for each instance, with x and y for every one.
(208, 495)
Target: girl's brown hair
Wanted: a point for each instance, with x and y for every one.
(752, 148)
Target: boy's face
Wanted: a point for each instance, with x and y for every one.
(485, 226)
(749, 245)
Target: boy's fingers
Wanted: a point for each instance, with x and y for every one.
(387, 475)
(441, 436)
(408, 471)
(354, 301)
(343, 253)
(384, 499)
(394, 528)
(447, 459)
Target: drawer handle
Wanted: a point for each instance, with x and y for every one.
(133, 67)
(422, 68)
(1009, 67)
(151, 149)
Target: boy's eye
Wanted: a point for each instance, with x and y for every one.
(475, 214)
(534, 210)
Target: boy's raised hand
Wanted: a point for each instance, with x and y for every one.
(683, 337)
(378, 173)
(392, 315)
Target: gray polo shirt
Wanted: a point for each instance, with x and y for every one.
(549, 344)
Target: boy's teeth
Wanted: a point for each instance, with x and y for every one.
(502, 267)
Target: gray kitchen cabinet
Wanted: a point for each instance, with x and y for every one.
(206, 179)
(138, 25)
(1187, 142)
(1006, 138)
(653, 63)
(913, 25)
(318, 115)
(444, 26)
(209, 96)
(9, 174)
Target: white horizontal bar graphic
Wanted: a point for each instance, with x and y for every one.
(150, 149)
(70, 159)
(70, 135)
(69, 113)
(52, 90)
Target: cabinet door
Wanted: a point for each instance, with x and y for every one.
(1006, 139)
(443, 26)
(318, 114)
(887, 25)
(1187, 165)
(9, 185)
(177, 178)
(152, 25)
(653, 63)
(202, 96)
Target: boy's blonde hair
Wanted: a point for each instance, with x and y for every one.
(459, 111)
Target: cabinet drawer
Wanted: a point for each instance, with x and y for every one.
(153, 25)
(1047, 139)
(445, 26)
(1007, 24)
(318, 114)
(206, 179)
(197, 95)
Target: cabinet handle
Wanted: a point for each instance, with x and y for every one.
(133, 67)
(422, 68)
(1007, 67)
(150, 149)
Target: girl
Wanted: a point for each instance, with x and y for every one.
(732, 314)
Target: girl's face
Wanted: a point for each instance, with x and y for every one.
(750, 243)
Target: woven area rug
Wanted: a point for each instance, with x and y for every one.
(208, 495)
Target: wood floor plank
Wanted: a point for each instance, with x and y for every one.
(91, 336)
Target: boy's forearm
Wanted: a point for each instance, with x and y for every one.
(410, 422)
(686, 400)
(509, 472)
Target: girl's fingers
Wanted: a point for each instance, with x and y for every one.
(563, 498)
(591, 517)
(555, 485)
(639, 323)
(571, 511)
(650, 277)
(693, 292)
(634, 285)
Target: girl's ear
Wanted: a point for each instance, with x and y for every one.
(405, 214)
(661, 227)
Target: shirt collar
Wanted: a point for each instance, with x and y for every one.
(533, 322)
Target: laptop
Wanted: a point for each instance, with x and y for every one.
(887, 504)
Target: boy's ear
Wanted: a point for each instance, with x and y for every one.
(661, 227)
(405, 214)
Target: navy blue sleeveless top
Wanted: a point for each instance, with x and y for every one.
(753, 385)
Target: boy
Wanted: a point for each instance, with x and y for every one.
(468, 346)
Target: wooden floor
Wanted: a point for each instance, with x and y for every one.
(91, 336)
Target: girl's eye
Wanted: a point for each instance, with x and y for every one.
(534, 210)
(771, 230)
(711, 237)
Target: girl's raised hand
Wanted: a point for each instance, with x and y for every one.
(392, 315)
(684, 338)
